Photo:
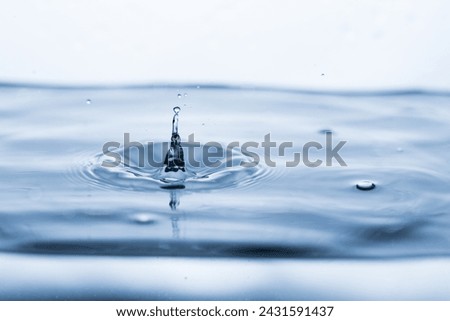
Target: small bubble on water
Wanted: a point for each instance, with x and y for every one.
(365, 185)
(179, 95)
(88, 101)
(176, 109)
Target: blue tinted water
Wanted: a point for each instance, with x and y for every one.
(71, 228)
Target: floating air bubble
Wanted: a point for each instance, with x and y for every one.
(365, 185)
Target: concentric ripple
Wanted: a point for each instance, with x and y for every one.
(143, 170)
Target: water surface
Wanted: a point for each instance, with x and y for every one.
(75, 229)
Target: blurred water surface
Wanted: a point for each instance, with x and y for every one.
(71, 228)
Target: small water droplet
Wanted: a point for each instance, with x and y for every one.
(198, 87)
(399, 149)
(365, 185)
(185, 94)
(322, 74)
(203, 124)
(179, 95)
(88, 101)
(176, 109)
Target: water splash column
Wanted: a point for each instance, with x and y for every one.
(174, 160)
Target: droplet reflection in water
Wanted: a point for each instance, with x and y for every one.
(365, 185)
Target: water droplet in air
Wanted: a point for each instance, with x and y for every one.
(88, 101)
(322, 74)
(179, 95)
(365, 185)
(198, 87)
(185, 94)
(400, 150)
(176, 109)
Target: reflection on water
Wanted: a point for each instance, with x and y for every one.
(174, 203)
(174, 199)
(388, 208)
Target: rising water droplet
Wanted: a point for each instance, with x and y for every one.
(88, 101)
(176, 109)
(365, 185)
(179, 96)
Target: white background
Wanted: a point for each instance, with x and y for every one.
(371, 44)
